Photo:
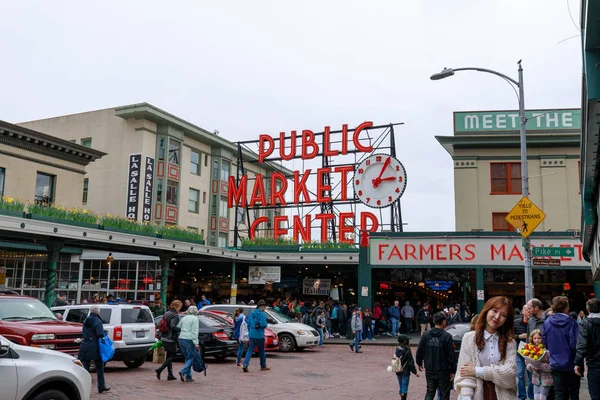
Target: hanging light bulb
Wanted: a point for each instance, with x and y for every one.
(110, 258)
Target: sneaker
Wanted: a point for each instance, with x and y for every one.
(171, 378)
(265, 368)
(359, 351)
(351, 347)
(245, 369)
(181, 377)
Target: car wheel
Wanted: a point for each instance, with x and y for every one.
(220, 357)
(132, 364)
(286, 342)
(51, 394)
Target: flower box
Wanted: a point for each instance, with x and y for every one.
(187, 240)
(46, 218)
(12, 213)
(129, 232)
(272, 248)
(330, 250)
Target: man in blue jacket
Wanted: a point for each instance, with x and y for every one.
(89, 350)
(257, 322)
(394, 318)
(559, 335)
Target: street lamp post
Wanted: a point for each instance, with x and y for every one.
(447, 72)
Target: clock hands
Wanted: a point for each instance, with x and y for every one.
(389, 178)
(378, 180)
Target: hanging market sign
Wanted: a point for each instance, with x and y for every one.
(316, 287)
(148, 184)
(508, 121)
(263, 275)
(306, 147)
(133, 186)
(440, 285)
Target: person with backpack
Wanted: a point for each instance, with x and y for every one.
(169, 333)
(356, 325)
(407, 365)
(240, 333)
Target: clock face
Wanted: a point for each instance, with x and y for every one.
(379, 180)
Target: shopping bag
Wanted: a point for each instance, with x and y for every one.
(198, 363)
(107, 350)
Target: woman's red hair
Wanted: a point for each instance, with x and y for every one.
(506, 331)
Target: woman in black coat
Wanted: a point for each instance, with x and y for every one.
(89, 349)
(169, 340)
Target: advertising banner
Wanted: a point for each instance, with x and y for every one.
(133, 186)
(148, 185)
(316, 287)
(263, 275)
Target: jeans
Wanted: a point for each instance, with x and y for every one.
(99, 371)
(403, 381)
(566, 385)
(260, 343)
(409, 325)
(524, 380)
(240, 351)
(171, 349)
(367, 332)
(593, 377)
(435, 381)
(355, 343)
(320, 330)
(342, 326)
(395, 326)
(187, 348)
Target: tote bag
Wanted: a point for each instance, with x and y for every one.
(107, 350)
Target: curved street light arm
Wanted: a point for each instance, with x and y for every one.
(490, 71)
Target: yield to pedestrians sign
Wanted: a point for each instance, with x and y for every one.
(525, 217)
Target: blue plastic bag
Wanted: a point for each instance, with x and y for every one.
(107, 350)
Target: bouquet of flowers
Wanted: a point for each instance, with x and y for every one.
(533, 354)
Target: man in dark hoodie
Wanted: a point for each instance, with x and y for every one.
(342, 319)
(588, 348)
(559, 335)
(437, 350)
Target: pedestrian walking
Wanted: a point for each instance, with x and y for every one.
(537, 316)
(588, 348)
(423, 318)
(334, 320)
(89, 350)
(367, 325)
(188, 341)
(523, 378)
(436, 353)
(342, 319)
(559, 334)
(356, 325)
(377, 315)
(169, 339)
(321, 326)
(257, 322)
(394, 312)
(409, 314)
(240, 333)
(453, 316)
(487, 367)
(407, 361)
(541, 377)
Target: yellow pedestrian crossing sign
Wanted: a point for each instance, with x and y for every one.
(525, 217)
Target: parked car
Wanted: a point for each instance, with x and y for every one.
(215, 336)
(129, 325)
(292, 335)
(457, 331)
(30, 373)
(28, 322)
(271, 339)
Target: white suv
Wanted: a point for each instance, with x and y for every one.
(130, 326)
(30, 373)
(292, 335)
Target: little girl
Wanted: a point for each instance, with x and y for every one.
(408, 362)
(541, 377)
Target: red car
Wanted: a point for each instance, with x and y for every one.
(271, 339)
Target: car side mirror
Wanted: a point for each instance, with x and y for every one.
(271, 321)
(4, 351)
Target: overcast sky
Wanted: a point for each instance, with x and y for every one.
(251, 67)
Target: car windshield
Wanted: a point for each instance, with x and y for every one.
(24, 309)
(279, 316)
(207, 321)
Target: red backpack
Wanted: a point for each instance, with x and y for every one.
(163, 325)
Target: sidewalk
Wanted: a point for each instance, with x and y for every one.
(378, 341)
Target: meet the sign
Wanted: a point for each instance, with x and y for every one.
(508, 121)
(133, 186)
(316, 287)
(148, 185)
(500, 251)
(263, 275)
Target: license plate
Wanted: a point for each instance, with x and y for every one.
(140, 334)
(275, 342)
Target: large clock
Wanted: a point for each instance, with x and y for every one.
(379, 180)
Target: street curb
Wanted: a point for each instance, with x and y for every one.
(367, 343)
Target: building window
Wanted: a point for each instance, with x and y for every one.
(86, 183)
(174, 151)
(216, 169)
(206, 160)
(500, 224)
(193, 200)
(172, 193)
(506, 178)
(225, 171)
(213, 206)
(44, 188)
(161, 148)
(222, 240)
(195, 163)
(203, 197)
(2, 179)
(223, 210)
(159, 184)
(87, 142)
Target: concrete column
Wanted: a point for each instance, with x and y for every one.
(597, 289)
(53, 255)
(479, 286)
(364, 273)
(233, 297)
(80, 281)
(164, 277)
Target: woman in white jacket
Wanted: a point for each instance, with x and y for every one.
(487, 368)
